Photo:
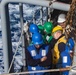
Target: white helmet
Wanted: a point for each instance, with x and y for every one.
(61, 18)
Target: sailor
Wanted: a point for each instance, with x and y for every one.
(46, 31)
(61, 52)
(70, 47)
(33, 28)
(59, 46)
(67, 29)
(38, 56)
(61, 21)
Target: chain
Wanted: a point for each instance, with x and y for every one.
(70, 13)
(70, 21)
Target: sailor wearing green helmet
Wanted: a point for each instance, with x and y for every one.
(46, 31)
(48, 26)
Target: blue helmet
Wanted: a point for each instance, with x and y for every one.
(33, 28)
(37, 38)
(71, 43)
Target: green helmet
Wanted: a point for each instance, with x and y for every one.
(41, 28)
(48, 26)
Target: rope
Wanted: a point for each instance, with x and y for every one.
(41, 71)
(70, 13)
(15, 52)
(69, 19)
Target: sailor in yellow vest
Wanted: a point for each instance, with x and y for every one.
(59, 47)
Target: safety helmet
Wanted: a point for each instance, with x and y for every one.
(71, 43)
(48, 26)
(61, 18)
(37, 39)
(57, 28)
(33, 28)
(40, 27)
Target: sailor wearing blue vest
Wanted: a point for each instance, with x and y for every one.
(67, 55)
(70, 46)
(38, 56)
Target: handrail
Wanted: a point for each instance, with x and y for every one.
(34, 2)
(0, 8)
(46, 3)
(40, 71)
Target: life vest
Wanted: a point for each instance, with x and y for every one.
(56, 53)
(66, 61)
(70, 45)
(47, 38)
(42, 52)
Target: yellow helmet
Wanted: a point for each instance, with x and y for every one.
(57, 28)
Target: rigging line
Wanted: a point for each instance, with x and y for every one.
(15, 52)
(35, 15)
(38, 21)
(37, 11)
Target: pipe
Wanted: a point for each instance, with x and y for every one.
(34, 2)
(60, 6)
(23, 39)
(0, 8)
(46, 3)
